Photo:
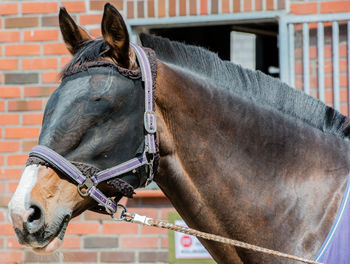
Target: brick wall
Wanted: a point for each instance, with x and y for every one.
(322, 7)
(31, 54)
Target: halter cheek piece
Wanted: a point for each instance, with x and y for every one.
(145, 159)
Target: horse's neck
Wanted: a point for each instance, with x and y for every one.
(224, 164)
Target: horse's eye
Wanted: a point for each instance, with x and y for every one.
(98, 99)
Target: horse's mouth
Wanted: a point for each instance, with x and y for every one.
(56, 241)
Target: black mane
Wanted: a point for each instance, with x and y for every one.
(254, 85)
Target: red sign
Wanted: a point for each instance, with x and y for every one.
(186, 241)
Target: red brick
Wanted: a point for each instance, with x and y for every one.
(236, 6)
(182, 7)
(81, 257)
(40, 35)
(313, 52)
(161, 8)
(150, 10)
(343, 94)
(247, 5)
(8, 64)
(39, 64)
(38, 91)
(130, 9)
(9, 119)
(165, 242)
(50, 77)
(21, 22)
(39, 7)
(22, 50)
(12, 243)
(269, 4)
(96, 32)
(9, 146)
(89, 215)
(139, 242)
(74, 6)
(153, 230)
(2, 190)
(6, 230)
(123, 257)
(344, 109)
(98, 4)
(203, 7)
(25, 105)
(9, 174)
(21, 132)
(55, 49)
(32, 119)
(258, 5)
(4, 201)
(9, 36)
(82, 228)
(10, 91)
(327, 51)
(303, 8)
(13, 160)
(1, 216)
(65, 60)
(149, 212)
(225, 6)
(328, 96)
(71, 242)
(12, 186)
(335, 7)
(119, 228)
(11, 257)
(8, 9)
(28, 145)
(343, 65)
(90, 19)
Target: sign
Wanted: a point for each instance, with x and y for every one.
(187, 246)
(183, 248)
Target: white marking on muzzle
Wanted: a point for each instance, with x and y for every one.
(20, 202)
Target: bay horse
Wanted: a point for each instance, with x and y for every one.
(242, 154)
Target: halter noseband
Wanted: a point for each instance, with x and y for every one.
(145, 159)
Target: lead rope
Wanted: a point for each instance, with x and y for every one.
(144, 220)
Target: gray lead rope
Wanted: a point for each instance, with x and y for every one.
(144, 220)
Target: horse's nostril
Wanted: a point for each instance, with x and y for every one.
(35, 220)
(35, 215)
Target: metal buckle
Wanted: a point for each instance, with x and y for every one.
(108, 202)
(151, 128)
(88, 183)
(150, 174)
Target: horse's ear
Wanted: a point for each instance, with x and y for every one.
(115, 33)
(73, 35)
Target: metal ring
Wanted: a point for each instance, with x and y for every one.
(80, 191)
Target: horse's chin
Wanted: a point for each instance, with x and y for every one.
(51, 247)
(54, 243)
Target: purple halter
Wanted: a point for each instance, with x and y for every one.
(150, 149)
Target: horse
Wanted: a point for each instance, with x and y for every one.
(241, 154)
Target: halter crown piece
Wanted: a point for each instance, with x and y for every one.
(145, 159)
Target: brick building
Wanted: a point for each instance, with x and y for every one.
(304, 43)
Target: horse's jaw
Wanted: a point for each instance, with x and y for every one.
(53, 244)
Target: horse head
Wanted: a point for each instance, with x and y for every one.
(93, 119)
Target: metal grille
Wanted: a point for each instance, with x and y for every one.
(315, 56)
